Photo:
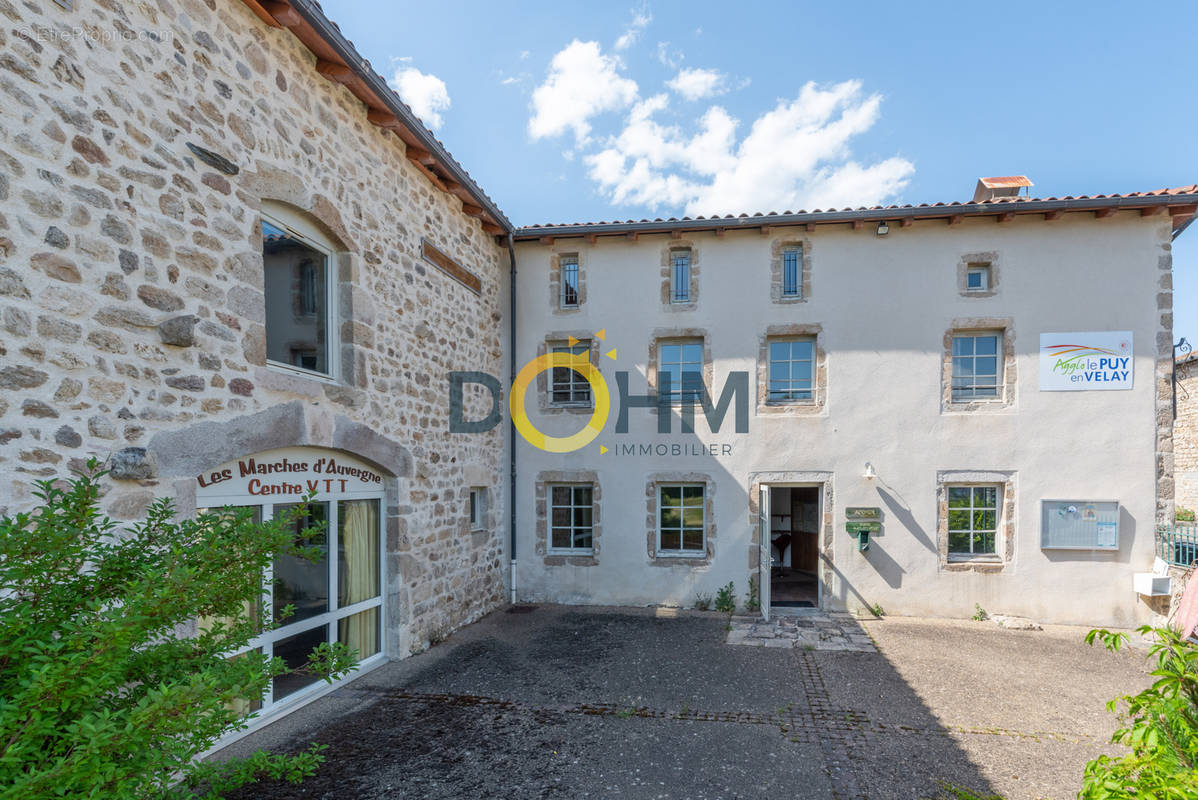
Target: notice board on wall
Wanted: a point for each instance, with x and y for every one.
(1079, 525)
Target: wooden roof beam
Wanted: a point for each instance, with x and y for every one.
(955, 219)
(1006, 217)
(283, 13)
(338, 73)
(906, 222)
(1051, 215)
(592, 238)
(1103, 213)
(1152, 211)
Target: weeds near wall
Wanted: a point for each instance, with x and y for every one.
(702, 602)
(725, 598)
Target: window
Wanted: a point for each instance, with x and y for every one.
(976, 370)
(569, 282)
(977, 278)
(792, 364)
(478, 497)
(680, 276)
(792, 271)
(972, 520)
(297, 278)
(681, 519)
(569, 386)
(570, 517)
(679, 371)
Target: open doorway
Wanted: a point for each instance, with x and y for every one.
(794, 546)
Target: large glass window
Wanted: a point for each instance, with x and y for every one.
(976, 366)
(570, 387)
(792, 369)
(337, 597)
(571, 517)
(681, 519)
(680, 365)
(296, 273)
(972, 520)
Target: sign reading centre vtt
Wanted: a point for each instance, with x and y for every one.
(1076, 362)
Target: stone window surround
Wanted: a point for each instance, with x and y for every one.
(555, 282)
(709, 533)
(793, 408)
(349, 306)
(975, 325)
(547, 478)
(671, 336)
(988, 258)
(671, 246)
(1005, 546)
(827, 530)
(556, 339)
(777, 247)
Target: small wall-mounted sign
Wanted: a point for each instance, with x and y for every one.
(1076, 362)
(863, 512)
(863, 527)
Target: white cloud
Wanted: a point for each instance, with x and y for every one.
(582, 82)
(667, 57)
(795, 156)
(425, 93)
(640, 21)
(697, 83)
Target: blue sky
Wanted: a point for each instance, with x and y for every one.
(889, 103)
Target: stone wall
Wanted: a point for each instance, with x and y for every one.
(131, 285)
(1185, 435)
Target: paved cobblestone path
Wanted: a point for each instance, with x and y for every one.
(583, 702)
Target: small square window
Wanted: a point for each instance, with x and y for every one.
(977, 278)
(977, 367)
(680, 276)
(478, 498)
(680, 372)
(569, 386)
(571, 517)
(973, 520)
(681, 519)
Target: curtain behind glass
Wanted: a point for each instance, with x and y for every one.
(358, 575)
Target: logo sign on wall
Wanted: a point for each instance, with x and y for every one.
(1076, 362)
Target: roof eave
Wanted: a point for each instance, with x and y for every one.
(1182, 208)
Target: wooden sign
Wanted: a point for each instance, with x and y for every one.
(863, 527)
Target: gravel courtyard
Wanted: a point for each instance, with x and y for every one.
(569, 702)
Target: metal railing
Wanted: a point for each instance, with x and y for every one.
(1178, 544)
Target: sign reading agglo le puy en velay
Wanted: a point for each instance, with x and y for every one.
(1074, 362)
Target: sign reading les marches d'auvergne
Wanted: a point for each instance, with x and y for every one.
(1073, 362)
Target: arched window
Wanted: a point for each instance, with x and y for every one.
(337, 599)
(299, 268)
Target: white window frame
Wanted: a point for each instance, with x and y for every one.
(796, 251)
(563, 263)
(571, 550)
(265, 641)
(294, 224)
(477, 508)
(769, 379)
(682, 485)
(997, 397)
(977, 269)
(674, 398)
(680, 291)
(577, 380)
(960, 555)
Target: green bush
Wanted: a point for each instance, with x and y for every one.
(1184, 515)
(725, 598)
(101, 696)
(1160, 727)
